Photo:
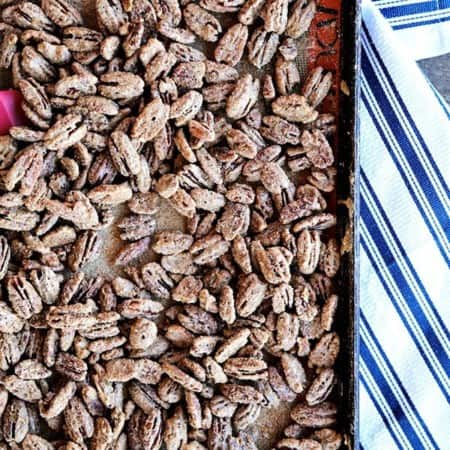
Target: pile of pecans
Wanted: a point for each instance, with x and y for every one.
(157, 109)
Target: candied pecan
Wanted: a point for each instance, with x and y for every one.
(15, 421)
(294, 108)
(268, 87)
(5, 254)
(183, 53)
(62, 13)
(243, 394)
(185, 380)
(217, 72)
(187, 290)
(171, 242)
(262, 46)
(314, 416)
(23, 297)
(139, 307)
(275, 15)
(287, 330)
(26, 390)
(318, 149)
(250, 11)
(8, 49)
(219, 432)
(175, 34)
(300, 17)
(183, 110)
(234, 220)
(280, 131)
(273, 262)
(320, 388)
(240, 193)
(246, 415)
(66, 132)
(110, 194)
(124, 154)
(202, 23)
(120, 85)
(293, 372)
(323, 180)
(308, 245)
(328, 312)
(328, 438)
(150, 121)
(230, 48)
(325, 352)
(157, 280)
(300, 444)
(78, 421)
(246, 368)
(241, 143)
(317, 86)
(198, 321)
(241, 254)
(222, 407)
(71, 366)
(221, 6)
(175, 432)
(33, 441)
(135, 227)
(286, 75)
(36, 66)
(288, 49)
(208, 249)
(279, 385)
(251, 292)
(330, 258)
(34, 94)
(75, 86)
(243, 97)
(76, 316)
(131, 251)
(208, 200)
(189, 75)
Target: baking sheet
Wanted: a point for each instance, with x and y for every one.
(333, 43)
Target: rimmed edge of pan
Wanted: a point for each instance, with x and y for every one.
(348, 218)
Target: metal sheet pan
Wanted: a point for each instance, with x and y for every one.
(333, 43)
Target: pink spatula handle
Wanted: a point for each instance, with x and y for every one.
(10, 111)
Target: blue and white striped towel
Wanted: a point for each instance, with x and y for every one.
(405, 230)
